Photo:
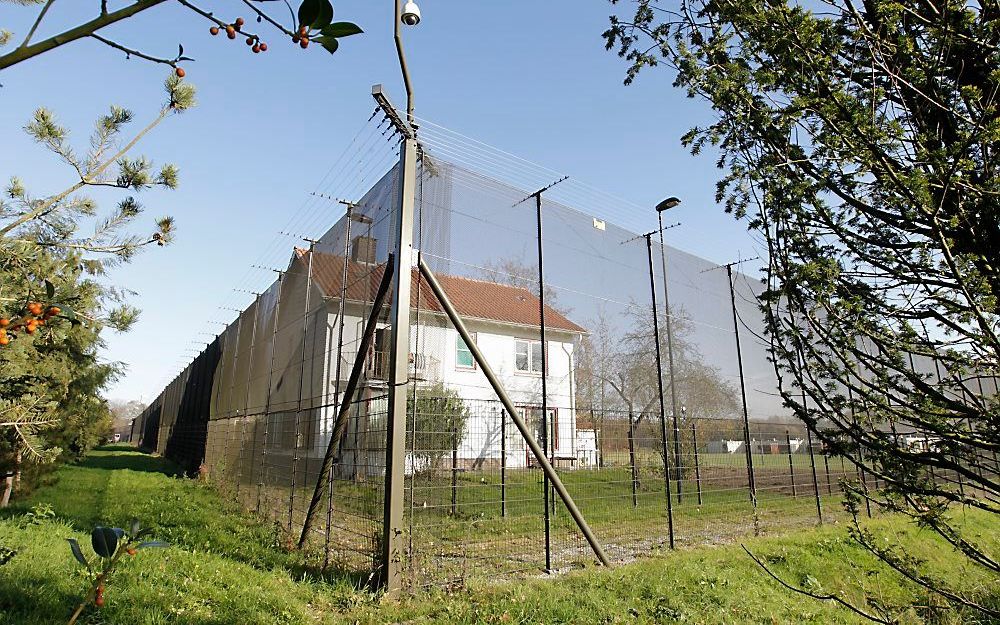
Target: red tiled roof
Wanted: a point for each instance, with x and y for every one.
(476, 299)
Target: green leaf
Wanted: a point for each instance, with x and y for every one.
(67, 312)
(308, 12)
(325, 15)
(50, 290)
(330, 43)
(342, 29)
(105, 541)
(77, 552)
(152, 544)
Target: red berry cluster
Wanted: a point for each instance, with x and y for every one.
(302, 37)
(34, 316)
(256, 45)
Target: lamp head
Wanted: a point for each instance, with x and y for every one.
(667, 204)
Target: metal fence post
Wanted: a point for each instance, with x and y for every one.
(391, 574)
(812, 462)
(631, 459)
(826, 465)
(791, 464)
(751, 478)
(503, 463)
(697, 464)
(454, 470)
(659, 383)
(537, 451)
(262, 474)
(302, 376)
(341, 307)
(246, 400)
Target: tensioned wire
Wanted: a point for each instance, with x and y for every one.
(476, 182)
(487, 159)
(313, 209)
(360, 157)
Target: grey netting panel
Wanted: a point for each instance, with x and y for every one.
(237, 391)
(636, 395)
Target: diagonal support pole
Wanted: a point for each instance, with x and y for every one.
(345, 404)
(536, 450)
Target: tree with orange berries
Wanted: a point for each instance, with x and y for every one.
(312, 22)
(54, 251)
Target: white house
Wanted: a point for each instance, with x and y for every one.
(504, 320)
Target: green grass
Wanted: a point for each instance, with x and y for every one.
(225, 567)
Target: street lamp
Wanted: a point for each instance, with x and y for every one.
(663, 206)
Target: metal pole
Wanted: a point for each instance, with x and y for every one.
(659, 385)
(861, 457)
(246, 400)
(670, 362)
(545, 374)
(536, 450)
(631, 459)
(791, 465)
(743, 392)
(503, 463)
(399, 315)
(826, 465)
(262, 475)
(302, 377)
(697, 464)
(341, 308)
(454, 471)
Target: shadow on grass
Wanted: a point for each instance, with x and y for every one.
(117, 457)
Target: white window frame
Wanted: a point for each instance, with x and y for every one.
(531, 370)
(458, 340)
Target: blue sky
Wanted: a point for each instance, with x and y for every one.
(531, 78)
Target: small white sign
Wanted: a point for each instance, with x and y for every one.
(599, 223)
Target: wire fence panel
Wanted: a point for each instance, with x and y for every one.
(650, 396)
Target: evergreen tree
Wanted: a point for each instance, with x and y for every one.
(54, 300)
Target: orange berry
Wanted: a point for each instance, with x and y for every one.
(304, 43)
(263, 47)
(180, 72)
(131, 551)
(256, 49)
(214, 30)
(39, 322)
(4, 323)
(35, 308)
(249, 41)
(239, 22)
(230, 32)
(31, 327)
(4, 340)
(303, 31)
(53, 311)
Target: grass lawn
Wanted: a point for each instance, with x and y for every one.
(225, 567)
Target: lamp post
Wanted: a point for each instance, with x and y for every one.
(663, 206)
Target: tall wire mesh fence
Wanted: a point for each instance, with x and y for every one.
(664, 432)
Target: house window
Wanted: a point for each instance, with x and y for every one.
(528, 356)
(463, 355)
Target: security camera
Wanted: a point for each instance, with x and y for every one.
(411, 13)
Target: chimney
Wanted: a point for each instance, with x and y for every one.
(363, 250)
